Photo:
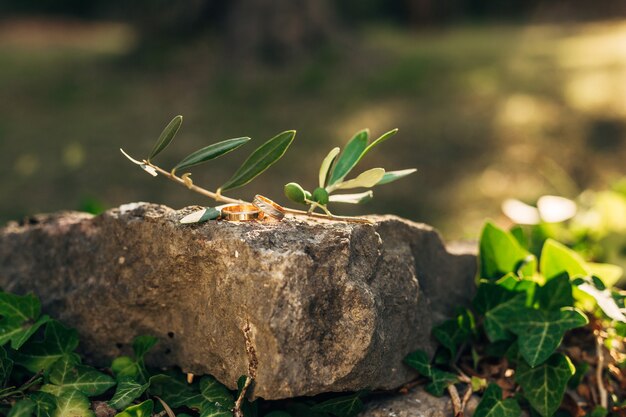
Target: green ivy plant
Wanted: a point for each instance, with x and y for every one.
(42, 375)
(521, 313)
(267, 155)
(335, 168)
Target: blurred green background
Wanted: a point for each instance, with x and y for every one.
(493, 99)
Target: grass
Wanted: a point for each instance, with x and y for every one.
(485, 113)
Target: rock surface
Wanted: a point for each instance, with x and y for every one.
(416, 403)
(326, 306)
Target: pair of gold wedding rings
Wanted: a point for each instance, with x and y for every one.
(262, 208)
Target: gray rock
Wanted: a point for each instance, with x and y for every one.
(326, 306)
(416, 403)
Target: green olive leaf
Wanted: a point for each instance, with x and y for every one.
(166, 136)
(350, 156)
(358, 198)
(366, 179)
(201, 216)
(210, 152)
(326, 164)
(295, 193)
(260, 160)
(378, 141)
(392, 176)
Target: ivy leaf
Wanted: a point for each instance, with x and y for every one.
(492, 405)
(544, 385)
(213, 411)
(20, 318)
(326, 164)
(212, 393)
(140, 410)
(452, 333)
(128, 390)
(490, 295)
(6, 366)
(72, 403)
(440, 380)
(58, 342)
(260, 160)
(45, 403)
(352, 198)
(556, 293)
(174, 391)
(166, 137)
(498, 319)
(142, 344)
(392, 176)
(22, 408)
(350, 156)
(365, 179)
(557, 259)
(541, 332)
(18, 332)
(125, 366)
(345, 406)
(67, 376)
(201, 216)
(210, 152)
(501, 253)
(25, 307)
(610, 274)
(420, 361)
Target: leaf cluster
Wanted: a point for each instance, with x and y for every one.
(41, 375)
(257, 162)
(522, 310)
(335, 168)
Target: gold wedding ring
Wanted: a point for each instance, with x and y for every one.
(241, 213)
(268, 207)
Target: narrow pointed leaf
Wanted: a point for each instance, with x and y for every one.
(201, 216)
(260, 160)
(350, 156)
(326, 164)
(210, 152)
(166, 136)
(544, 385)
(378, 141)
(352, 198)
(366, 179)
(392, 176)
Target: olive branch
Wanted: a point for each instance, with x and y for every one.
(264, 157)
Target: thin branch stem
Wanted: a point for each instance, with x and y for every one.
(599, 370)
(223, 199)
